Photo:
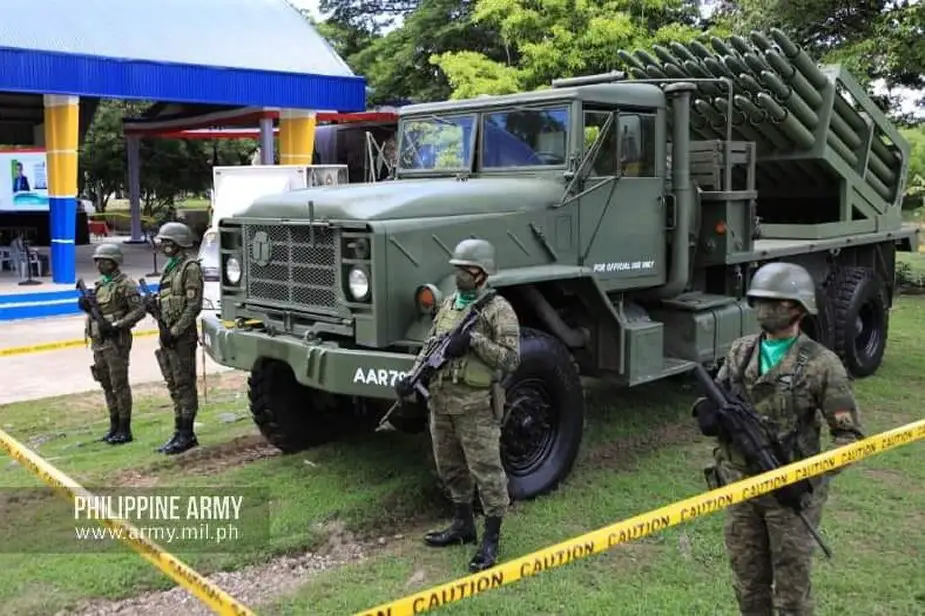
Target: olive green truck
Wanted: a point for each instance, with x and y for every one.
(629, 211)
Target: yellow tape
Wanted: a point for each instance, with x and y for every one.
(639, 526)
(65, 344)
(210, 594)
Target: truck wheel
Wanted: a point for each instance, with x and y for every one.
(819, 326)
(544, 416)
(290, 416)
(861, 321)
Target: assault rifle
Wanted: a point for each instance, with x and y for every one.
(435, 356)
(152, 308)
(95, 312)
(737, 421)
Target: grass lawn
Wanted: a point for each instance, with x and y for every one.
(641, 451)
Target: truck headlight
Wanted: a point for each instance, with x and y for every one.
(233, 270)
(358, 283)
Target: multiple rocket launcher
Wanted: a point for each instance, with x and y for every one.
(781, 101)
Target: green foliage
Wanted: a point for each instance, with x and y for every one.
(171, 169)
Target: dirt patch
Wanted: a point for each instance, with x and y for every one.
(622, 452)
(886, 475)
(203, 460)
(251, 585)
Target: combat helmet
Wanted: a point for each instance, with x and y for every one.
(475, 253)
(784, 281)
(108, 251)
(177, 233)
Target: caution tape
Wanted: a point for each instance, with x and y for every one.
(65, 344)
(204, 590)
(603, 539)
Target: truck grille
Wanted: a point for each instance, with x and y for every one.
(295, 270)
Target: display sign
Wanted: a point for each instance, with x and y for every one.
(23, 181)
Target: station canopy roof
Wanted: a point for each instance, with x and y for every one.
(207, 55)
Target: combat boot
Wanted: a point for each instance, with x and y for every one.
(461, 530)
(185, 440)
(488, 551)
(113, 427)
(124, 432)
(177, 422)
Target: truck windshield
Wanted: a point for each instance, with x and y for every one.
(436, 142)
(525, 137)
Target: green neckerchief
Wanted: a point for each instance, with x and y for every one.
(107, 278)
(772, 351)
(172, 263)
(464, 299)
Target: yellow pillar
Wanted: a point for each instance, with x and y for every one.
(296, 137)
(61, 137)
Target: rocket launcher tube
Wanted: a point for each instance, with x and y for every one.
(839, 146)
(794, 78)
(888, 158)
(696, 70)
(799, 58)
(789, 98)
(883, 172)
(645, 57)
(760, 40)
(664, 55)
(721, 47)
(844, 132)
(736, 65)
(756, 63)
(682, 52)
(849, 115)
(718, 68)
(655, 72)
(787, 123)
(758, 118)
(740, 121)
(701, 50)
(740, 44)
(631, 62)
(674, 72)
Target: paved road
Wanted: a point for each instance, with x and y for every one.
(67, 371)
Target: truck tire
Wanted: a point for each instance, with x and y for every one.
(288, 414)
(544, 416)
(820, 326)
(861, 320)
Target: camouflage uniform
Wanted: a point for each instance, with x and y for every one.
(464, 426)
(121, 306)
(770, 549)
(180, 300)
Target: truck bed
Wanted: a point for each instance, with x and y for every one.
(782, 247)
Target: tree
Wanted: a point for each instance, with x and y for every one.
(102, 166)
(875, 39)
(546, 39)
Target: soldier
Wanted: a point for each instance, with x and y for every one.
(787, 377)
(111, 340)
(467, 400)
(180, 299)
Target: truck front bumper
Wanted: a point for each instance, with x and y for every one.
(321, 365)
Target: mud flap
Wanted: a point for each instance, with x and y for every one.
(97, 374)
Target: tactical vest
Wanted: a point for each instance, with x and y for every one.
(468, 369)
(172, 291)
(111, 300)
(786, 408)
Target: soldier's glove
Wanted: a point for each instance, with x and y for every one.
(167, 340)
(707, 414)
(403, 388)
(458, 345)
(106, 329)
(84, 304)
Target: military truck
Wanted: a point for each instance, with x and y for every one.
(629, 212)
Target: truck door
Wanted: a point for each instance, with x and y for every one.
(622, 222)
